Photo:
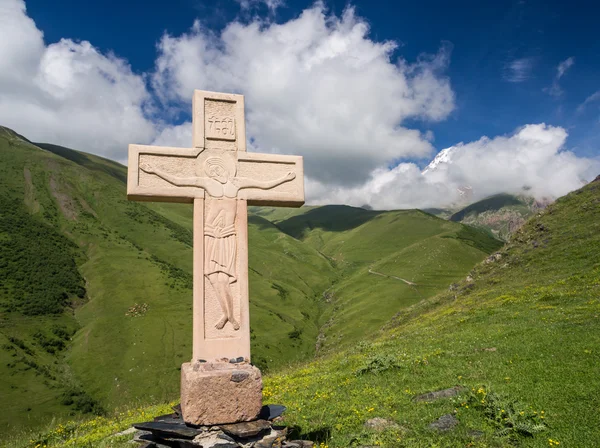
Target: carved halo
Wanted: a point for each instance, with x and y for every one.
(224, 161)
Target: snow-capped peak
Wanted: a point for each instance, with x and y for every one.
(444, 156)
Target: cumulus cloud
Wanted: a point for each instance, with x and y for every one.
(68, 93)
(518, 70)
(533, 160)
(317, 86)
(561, 69)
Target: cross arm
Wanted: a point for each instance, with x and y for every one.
(271, 179)
(150, 174)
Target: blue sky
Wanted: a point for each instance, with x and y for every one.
(488, 69)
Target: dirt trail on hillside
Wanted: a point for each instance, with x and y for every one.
(393, 276)
(409, 283)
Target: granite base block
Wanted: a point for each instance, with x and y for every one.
(219, 393)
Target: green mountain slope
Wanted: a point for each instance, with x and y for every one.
(387, 261)
(502, 214)
(96, 292)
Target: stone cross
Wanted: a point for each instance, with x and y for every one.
(220, 178)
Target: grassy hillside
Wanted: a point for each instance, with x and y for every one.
(96, 291)
(521, 335)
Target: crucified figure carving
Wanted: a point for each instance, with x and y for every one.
(217, 176)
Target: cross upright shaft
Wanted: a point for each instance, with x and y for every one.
(220, 178)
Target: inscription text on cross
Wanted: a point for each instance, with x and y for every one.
(220, 178)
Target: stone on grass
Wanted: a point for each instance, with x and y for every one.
(125, 433)
(380, 424)
(475, 433)
(444, 423)
(444, 393)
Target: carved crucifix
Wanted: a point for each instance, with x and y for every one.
(220, 178)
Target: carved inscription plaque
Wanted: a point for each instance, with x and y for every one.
(220, 120)
(220, 128)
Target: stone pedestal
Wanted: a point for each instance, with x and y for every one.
(214, 393)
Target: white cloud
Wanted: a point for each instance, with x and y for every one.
(68, 93)
(272, 5)
(564, 66)
(518, 70)
(317, 86)
(590, 99)
(175, 136)
(533, 159)
(561, 69)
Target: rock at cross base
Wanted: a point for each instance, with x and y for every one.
(271, 411)
(299, 444)
(219, 393)
(247, 429)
